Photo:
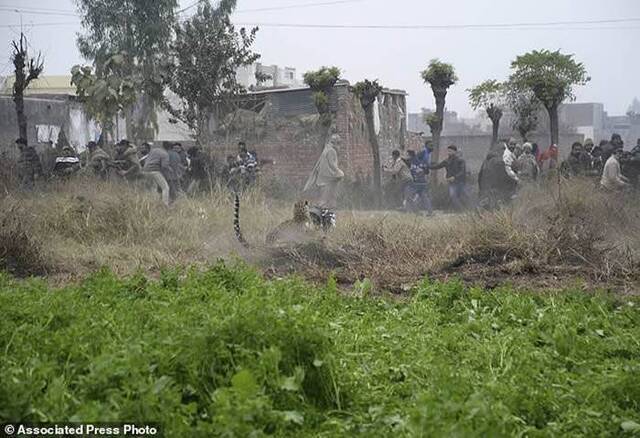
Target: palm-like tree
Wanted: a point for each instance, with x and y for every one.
(368, 91)
(440, 76)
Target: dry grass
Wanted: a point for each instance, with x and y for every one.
(545, 237)
(73, 229)
(88, 224)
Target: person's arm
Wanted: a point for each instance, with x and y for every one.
(440, 165)
(510, 172)
(332, 161)
(396, 168)
(134, 169)
(621, 180)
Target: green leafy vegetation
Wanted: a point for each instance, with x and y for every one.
(551, 77)
(226, 353)
(439, 76)
(321, 82)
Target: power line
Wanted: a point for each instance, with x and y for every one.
(306, 5)
(68, 23)
(508, 26)
(526, 28)
(279, 8)
(37, 12)
(443, 26)
(37, 8)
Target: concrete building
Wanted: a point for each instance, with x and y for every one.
(278, 77)
(587, 119)
(52, 107)
(452, 124)
(49, 85)
(591, 120)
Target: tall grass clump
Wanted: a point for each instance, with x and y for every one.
(21, 253)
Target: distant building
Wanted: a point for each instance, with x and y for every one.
(52, 108)
(58, 85)
(278, 77)
(591, 120)
(452, 124)
(587, 119)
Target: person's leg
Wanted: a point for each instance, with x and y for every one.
(426, 200)
(333, 195)
(323, 199)
(193, 187)
(454, 196)
(407, 194)
(463, 195)
(328, 195)
(164, 187)
(173, 189)
(162, 184)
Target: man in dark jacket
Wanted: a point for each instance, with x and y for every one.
(200, 170)
(495, 185)
(29, 166)
(98, 160)
(456, 177)
(126, 160)
(609, 148)
(577, 163)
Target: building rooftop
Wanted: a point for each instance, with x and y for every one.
(340, 83)
(60, 85)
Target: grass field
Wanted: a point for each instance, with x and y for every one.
(224, 352)
(552, 236)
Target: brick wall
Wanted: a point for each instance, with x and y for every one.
(294, 141)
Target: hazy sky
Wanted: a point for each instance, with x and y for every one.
(396, 56)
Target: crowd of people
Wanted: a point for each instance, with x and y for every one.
(507, 167)
(175, 172)
(408, 179)
(167, 167)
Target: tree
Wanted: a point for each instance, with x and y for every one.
(141, 32)
(26, 70)
(551, 77)
(321, 83)
(431, 120)
(106, 96)
(207, 53)
(525, 107)
(368, 91)
(490, 96)
(440, 76)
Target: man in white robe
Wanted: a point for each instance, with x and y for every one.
(325, 176)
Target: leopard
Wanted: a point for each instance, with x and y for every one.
(298, 226)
